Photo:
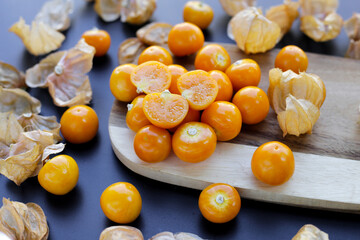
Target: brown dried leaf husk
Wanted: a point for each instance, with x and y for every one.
(310, 232)
(299, 116)
(23, 221)
(10, 77)
(108, 10)
(31, 122)
(25, 157)
(129, 50)
(253, 32)
(70, 85)
(10, 131)
(284, 15)
(321, 29)
(36, 76)
(18, 101)
(137, 11)
(352, 27)
(353, 50)
(121, 232)
(11, 220)
(154, 33)
(176, 236)
(318, 8)
(302, 86)
(55, 14)
(232, 7)
(40, 38)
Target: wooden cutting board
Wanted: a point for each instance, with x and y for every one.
(327, 168)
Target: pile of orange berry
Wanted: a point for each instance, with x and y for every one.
(199, 107)
(188, 112)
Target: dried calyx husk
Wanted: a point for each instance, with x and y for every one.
(232, 7)
(23, 153)
(131, 11)
(284, 15)
(121, 232)
(18, 101)
(32, 122)
(26, 138)
(38, 39)
(151, 34)
(154, 33)
(43, 35)
(175, 236)
(296, 99)
(137, 11)
(23, 221)
(10, 77)
(108, 10)
(310, 232)
(352, 28)
(319, 19)
(55, 14)
(64, 73)
(253, 32)
(129, 50)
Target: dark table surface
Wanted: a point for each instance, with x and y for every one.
(78, 215)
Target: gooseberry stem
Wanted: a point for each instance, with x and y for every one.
(219, 199)
(58, 69)
(192, 131)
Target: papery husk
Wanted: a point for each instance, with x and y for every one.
(121, 232)
(352, 28)
(301, 86)
(68, 84)
(55, 14)
(18, 101)
(284, 15)
(26, 157)
(310, 232)
(108, 10)
(31, 122)
(253, 32)
(23, 221)
(232, 7)
(318, 8)
(297, 99)
(40, 38)
(10, 131)
(129, 50)
(299, 116)
(321, 30)
(353, 50)
(10, 77)
(137, 11)
(36, 76)
(176, 236)
(154, 33)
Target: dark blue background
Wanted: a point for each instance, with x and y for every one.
(78, 215)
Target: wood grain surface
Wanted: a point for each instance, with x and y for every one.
(327, 161)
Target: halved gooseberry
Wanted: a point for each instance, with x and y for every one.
(199, 88)
(135, 116)
(165, 110)
(151, 76)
